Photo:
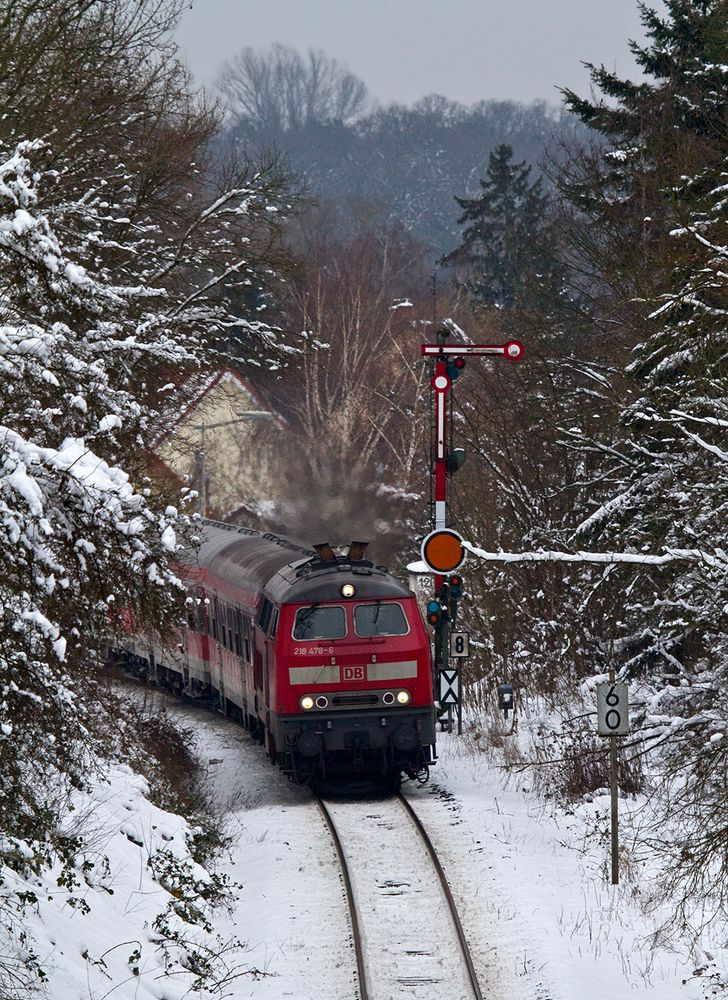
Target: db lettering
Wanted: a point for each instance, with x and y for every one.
(353, 673)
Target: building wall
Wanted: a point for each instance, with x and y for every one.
(238, 457)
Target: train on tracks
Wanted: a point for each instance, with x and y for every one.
(323, 656)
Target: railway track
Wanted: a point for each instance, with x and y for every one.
(408, 938)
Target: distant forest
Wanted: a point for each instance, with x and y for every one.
(397, 162)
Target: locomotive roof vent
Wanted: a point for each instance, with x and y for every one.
(325, 553)
(328, 559)
(356, 551)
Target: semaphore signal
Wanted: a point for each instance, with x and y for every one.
(443, 550)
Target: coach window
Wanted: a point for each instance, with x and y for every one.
(191, 615)
(231, 629)
(380, 619)
(273, 624)
(201, 604)
(247, 627)
(320, 623)
(238, 622)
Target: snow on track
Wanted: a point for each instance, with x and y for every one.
(410, 944)
(290, 915)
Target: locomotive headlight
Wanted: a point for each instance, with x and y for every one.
(403, 697)
(348, 590)
(306, 703)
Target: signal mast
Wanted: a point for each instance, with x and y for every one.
(442, 549)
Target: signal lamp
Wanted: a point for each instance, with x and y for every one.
(454, 368)
(434, 612)
(455, 460)
(456, 588)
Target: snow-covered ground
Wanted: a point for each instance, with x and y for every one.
(542, 921)
(93, 933)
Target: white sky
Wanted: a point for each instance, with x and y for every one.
(405, 49)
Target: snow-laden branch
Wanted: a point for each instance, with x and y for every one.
(712, 448)
(713, 421)
(717, 559)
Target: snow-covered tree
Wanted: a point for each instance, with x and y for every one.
(663, 464)
(651, 135)
(672, 461)
(654, 197)
(508, 251)
(119, 257)
(79, 541)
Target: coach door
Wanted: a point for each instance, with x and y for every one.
(259, 651)
(216, 662)
(267, 622)
(270, 654)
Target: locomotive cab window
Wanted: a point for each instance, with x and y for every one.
(319, 622)
(380, 619)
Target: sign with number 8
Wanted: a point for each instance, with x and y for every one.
(459, 644)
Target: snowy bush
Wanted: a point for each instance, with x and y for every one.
(120, 257)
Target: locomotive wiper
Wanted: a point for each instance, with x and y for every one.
(305, 615)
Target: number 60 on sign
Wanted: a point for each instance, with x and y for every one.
(612, 710)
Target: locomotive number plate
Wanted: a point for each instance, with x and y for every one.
(313, 650)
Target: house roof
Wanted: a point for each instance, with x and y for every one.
(195, 389)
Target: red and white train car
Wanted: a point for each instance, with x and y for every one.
(324, 657)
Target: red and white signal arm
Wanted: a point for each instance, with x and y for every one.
(443, 551)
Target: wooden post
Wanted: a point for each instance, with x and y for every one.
(460, 701)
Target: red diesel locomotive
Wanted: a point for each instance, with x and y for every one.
(324, 657)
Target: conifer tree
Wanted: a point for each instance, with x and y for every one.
(657, 193)
(656, 138)
(654, 198)
(650, 238)
(507, 256)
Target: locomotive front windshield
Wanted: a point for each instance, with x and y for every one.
(380, 619)
(319, 622)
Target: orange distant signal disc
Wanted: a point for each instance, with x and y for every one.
(443, 550)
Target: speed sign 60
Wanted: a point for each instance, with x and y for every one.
(612, 710)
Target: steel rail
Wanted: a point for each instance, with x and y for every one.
(356, 930)
(472, 975)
